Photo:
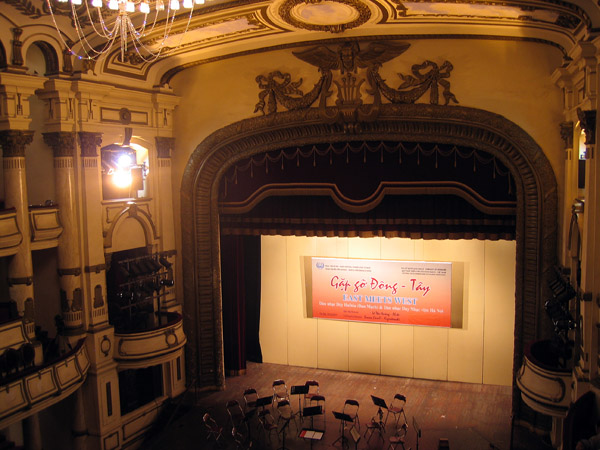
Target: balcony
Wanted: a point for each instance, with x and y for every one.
(27, 392)
(45, 226)
(151, 347)
(10, 235)
(545, 387)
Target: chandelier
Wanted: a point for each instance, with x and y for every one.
(142, 26)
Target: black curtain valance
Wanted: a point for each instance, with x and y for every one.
(370, 189)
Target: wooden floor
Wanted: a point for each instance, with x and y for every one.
(470, 416)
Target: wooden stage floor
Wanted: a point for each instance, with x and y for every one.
(470, 416)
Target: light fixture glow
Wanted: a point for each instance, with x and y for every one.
(124, 161)
(122, 178)
(138, 39)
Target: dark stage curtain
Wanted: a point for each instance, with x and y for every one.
(240, 277)
(369, 189)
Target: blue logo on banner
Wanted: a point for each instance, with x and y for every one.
(320, 265)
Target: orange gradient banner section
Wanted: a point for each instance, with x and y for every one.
(403, 292)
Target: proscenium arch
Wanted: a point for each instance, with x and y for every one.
(536, 220)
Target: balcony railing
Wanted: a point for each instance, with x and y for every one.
(10, 235)
(45, 226)
(153, 346)
(39, 387)
(544, 388)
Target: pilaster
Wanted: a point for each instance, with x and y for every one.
(94, 270)
(20, 269)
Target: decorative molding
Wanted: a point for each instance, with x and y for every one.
(288, 13)
(164, 146)
(95, 269)
(13, 142)
(566, 134)
(17, 45)
(75, 272)
(28, 281)
(62, 143)
(89, 143)
(355, 67)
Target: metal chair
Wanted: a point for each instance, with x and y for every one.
(280, 391)
(319, 400)
(250, 398)
(268, 424)
(397, 409)
(213, 429)
(235, 412)
(242, 442)
(398, 438)
(285, 412)
(313, 389)
(351, 408)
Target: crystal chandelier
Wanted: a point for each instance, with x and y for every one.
(140, 25)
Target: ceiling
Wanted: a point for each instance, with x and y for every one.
(223, 28)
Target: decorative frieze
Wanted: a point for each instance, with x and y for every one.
(348, 68)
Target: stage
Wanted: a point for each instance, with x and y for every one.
(470, 416)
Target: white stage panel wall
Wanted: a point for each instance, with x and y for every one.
(480, 351)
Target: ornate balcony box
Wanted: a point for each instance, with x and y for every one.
(37, 388)
(45, 226)
(12, 335)
(10, 235)
(545, 387)
(155, 346)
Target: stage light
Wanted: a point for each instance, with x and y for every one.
(122, 178)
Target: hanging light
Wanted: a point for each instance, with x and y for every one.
(130, 23)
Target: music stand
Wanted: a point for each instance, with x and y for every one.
(417, 430)
(311, 411)
(355, 436)
(380, 403)
(264, 401)
(343, 418)
(299, 390)
(377, 425)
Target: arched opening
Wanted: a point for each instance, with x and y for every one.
(536, 197)
(3, 62)
(41, 59)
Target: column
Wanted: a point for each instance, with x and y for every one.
(79, 428)
(69, 255)
(20, 269)
(32, 436)
(101, 390)
(93, 245)
(165, 220)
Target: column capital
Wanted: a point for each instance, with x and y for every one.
(164, 145)
(62, 143)
(89, 143)
(13, 142)
(566, 133)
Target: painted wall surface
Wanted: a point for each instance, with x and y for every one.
(481, 351)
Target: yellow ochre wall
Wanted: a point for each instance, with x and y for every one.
(479, 352)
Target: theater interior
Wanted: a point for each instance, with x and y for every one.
(389, 198)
